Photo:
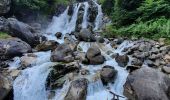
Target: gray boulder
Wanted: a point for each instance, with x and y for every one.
(13, 47)
(108, 74)
(47, 45)
(122, 60)
(24, 32)
(57, 76)
(85, 35)
(21, 30)
(94, 56)
(63, 53)
(78, 90)
(147, 84)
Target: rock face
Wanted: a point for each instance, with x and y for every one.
(5, 87)
(24, 32)
(21, 30)
(94, 56)
(4, 6)
(147, 84)
(85, 35)
(62, 53)
(122, 60)
(56, 76)
(27, 61)
(78, 90)
(13, 47)
(166, 69)
(47, 45)
(108, 74)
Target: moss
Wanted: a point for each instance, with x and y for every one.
(167, 41)
(4, 35)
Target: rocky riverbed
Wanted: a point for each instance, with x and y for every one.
(70, 60)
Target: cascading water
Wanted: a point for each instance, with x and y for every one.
(85, 22)
(30, 85)
(62, 24)
(102, 93)
(98, 21)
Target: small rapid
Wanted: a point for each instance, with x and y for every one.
(30, 84)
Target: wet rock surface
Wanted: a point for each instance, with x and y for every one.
(5, 86)
(122, 60)
(57, 77)
(108, 74)
(63, 53)
(94, 56)
(47, 45)
(85, 35)
(12, 47)
(78, 90)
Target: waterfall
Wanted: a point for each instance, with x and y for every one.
(63, 24)
(85, 23)
(30, 84)
(99, 18)
(58, 24)
(72, 25)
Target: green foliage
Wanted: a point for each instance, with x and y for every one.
(4, 35)
(151, 9)
(108, 6)
(45, 6)
(31, 4)
(154, 29)
(140, 18)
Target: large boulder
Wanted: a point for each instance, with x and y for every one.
(21, 30)
(5, 87)
(147, 84)
(4, 6)
(63, 53)
(56, 77)
(78, 90)
(47, 45)
(85, 35)
(166, 69)
(122, 60)
(94, 56)
(13, 47)
(28, 60)
(108, 74)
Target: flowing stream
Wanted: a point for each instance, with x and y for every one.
(30, 84)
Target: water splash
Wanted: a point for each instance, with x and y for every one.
(16, 63)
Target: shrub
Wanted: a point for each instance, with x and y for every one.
(44, 6)
(154, 29)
